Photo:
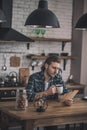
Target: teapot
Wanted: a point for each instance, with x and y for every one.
(13, 77)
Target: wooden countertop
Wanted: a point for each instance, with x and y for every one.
(30, 112)
(55, 114)
(31, 105)
(71, 86)
(7, 103)
(76, 86)
(10, 88)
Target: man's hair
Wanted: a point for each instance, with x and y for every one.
(49, 60)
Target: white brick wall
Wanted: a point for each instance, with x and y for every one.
(21, 10)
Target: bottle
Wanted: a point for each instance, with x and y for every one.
(21, 99)
(70, 80)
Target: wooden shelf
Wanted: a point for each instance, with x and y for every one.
(39, 57)
(11, 88)
(51, 39)
(62, 40)
(64, 58)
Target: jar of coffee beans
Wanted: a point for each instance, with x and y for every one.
(21, 99)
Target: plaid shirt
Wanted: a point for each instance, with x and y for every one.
(36, 84)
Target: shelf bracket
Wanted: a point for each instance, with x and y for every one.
(63, 45)
(28, 46)
(64, 64)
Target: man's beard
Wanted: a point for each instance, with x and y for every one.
(50, 76)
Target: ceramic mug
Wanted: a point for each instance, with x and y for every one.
(59, 88)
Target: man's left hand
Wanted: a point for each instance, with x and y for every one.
(68, 102)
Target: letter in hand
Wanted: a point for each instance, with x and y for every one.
(67, 98)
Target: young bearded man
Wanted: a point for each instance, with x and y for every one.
(44, 83)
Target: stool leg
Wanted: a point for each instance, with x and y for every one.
(82, 126)
(67, 127)
(37, 128)
(85, 126)
(74, 126)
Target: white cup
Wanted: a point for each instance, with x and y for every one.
(59, 88)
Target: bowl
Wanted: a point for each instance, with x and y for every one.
(64, 54)
(53, 54)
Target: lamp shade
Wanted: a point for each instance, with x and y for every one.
(2, 17)
(42, 17)
(82, 22)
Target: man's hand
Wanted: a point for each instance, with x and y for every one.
(68, 102)
(50, 91)
(40, 95)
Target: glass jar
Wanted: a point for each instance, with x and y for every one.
(21, 99)
(40, 104)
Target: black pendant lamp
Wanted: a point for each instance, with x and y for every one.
(82, 22)
(2, 17)
(42, 17)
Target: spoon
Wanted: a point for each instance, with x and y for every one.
(4, 67)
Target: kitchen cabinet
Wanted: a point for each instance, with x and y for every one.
(8, 93)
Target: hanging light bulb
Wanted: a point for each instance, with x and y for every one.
(2, 17)
(82, 22)
(42, 17)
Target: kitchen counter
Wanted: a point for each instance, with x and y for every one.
(30, 119)
(11, 88)
(4, 118)
(76, 86)
(8, 93)
(71, 86)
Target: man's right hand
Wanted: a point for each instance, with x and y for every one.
(50, 91)
(40, 95)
